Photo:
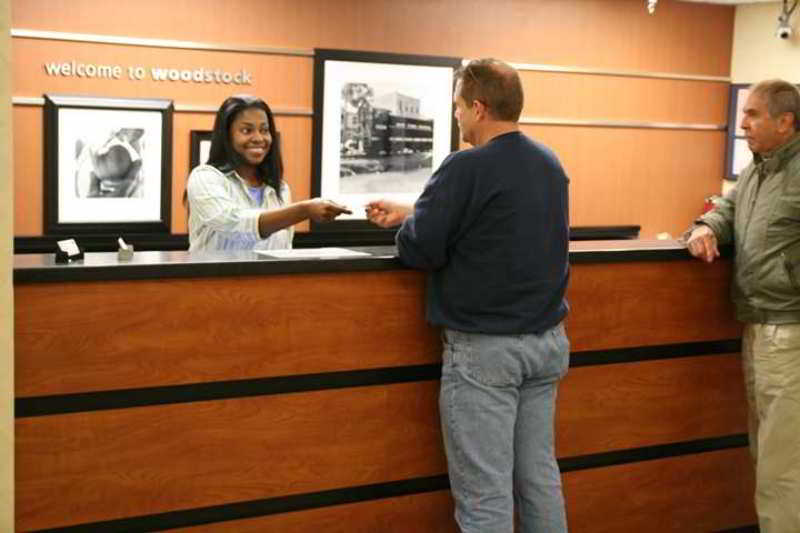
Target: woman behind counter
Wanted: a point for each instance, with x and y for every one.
(238, 199)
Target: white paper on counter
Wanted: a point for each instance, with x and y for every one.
(311, 253)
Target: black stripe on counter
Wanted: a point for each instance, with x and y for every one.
(647, 453)
(649, 353)
(194, 392)
(363, 493)
(256, 508)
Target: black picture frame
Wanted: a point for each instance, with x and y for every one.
(107, 165)
(430, 86)
(199, 144)
(736, 143)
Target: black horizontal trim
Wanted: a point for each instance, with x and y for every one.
(648, 453)
(194, 392)
(180, 241)
(649, 353)
(258, 267)
(185, 266)
(44, 244)
(627, 256)
(378, 491)
(264, 507)
(601, 233)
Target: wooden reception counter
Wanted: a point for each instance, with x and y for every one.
(240, 393)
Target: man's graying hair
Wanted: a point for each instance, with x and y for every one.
(781, 97)
(494, 83)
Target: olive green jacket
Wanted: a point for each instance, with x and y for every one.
(761, 216)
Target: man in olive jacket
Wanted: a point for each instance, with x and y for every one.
(762, 218)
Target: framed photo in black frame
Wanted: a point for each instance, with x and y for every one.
(200, 146)
(108, 165)
(382, 124)
(737, 153)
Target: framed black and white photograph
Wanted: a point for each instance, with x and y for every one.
(108, 165)
(200, 147)
(382, 124)
(738, 154)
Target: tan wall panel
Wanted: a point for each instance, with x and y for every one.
(28, 142)
(710, 491)
(297, 149)
(110, 464)
(657, 179)
(658, 303)
(116, 335)
(592, 33)
(621, 406)
(419, 513)
(31, 79)
(572, 32)
(6, 288)
(668, 176)
(593, 97)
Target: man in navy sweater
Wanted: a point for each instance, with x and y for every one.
(492, 230)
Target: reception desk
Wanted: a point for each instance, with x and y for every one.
(240, 393)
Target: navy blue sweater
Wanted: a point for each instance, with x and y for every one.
(492, 230)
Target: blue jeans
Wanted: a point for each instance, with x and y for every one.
(497, 404)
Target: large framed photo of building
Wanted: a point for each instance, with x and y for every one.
(108, 165)
(383, 123)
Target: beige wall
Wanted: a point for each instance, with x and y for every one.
(6, 298)
(757, 53)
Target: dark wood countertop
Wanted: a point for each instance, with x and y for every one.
(98, 266)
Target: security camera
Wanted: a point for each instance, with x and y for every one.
(784, 31)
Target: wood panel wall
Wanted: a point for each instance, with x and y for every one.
(328, 420)
(654, 178)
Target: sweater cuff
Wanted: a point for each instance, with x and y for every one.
(249, 221)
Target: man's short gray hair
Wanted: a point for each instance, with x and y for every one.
(781, 97)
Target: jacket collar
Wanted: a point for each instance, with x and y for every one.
(775, 160)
